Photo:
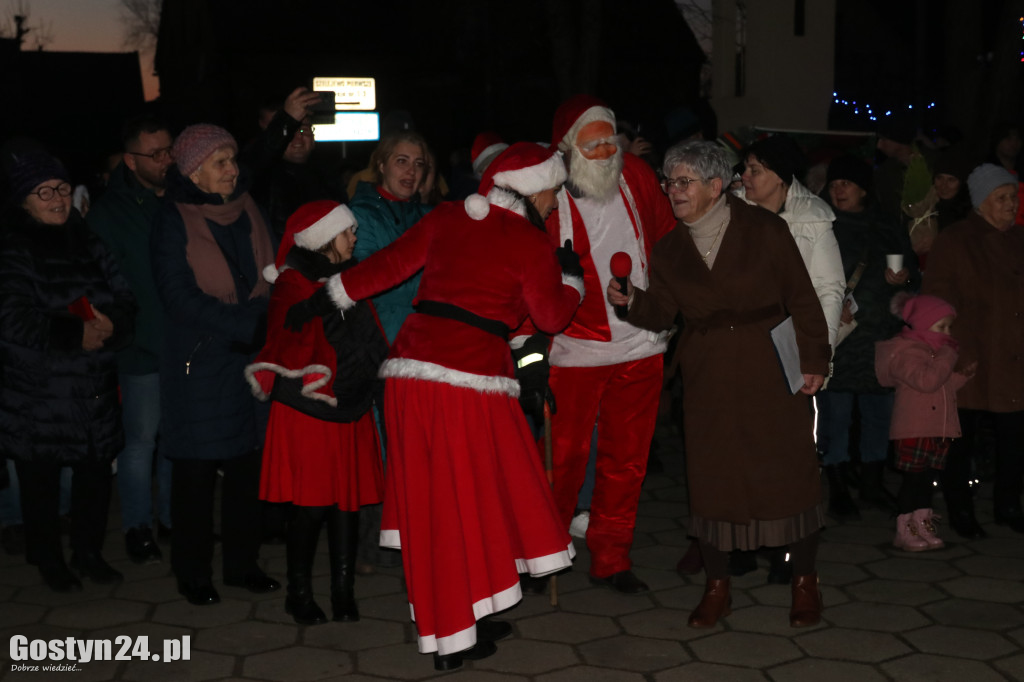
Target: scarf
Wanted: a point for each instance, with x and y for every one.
(204, 256)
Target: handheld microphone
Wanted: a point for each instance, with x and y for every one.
(621, 266)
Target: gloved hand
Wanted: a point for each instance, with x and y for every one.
(569, 260)
(532, 370)
(303, 312)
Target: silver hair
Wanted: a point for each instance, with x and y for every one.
(706, 159)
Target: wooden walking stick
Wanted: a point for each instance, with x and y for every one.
(549, 469)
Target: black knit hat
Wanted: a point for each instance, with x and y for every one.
(850, 168)
(780, 154)
(31, 168)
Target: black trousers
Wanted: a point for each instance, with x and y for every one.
(1008, 429)
(40, 508)
(193, 485)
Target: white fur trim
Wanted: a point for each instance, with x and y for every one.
(485, 157)
(575, 282)
(464, 639)
(505, 199)
(338, 220)
(592, 114)
(308, 390)
(407, 368)
(477, 206)
(391, 539)
(336, 290)
(532, 179)
(270, 273)
(546, 565)
(517, 342)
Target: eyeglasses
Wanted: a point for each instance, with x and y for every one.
(681, 184)
(47, 193)
(158, 155)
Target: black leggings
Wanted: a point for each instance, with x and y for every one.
(915, 491)
(803, 553)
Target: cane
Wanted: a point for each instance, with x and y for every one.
(549, 469)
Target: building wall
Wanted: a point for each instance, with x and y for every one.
(788, 78)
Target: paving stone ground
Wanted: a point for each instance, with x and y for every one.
(955, 615)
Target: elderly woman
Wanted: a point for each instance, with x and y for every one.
(209, 248)
(865, 238)
(64, 310)
(976, 265)
(733, 271)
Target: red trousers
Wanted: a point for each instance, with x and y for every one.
(623, 400)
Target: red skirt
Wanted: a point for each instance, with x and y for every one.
(314, 463)
(468, 503)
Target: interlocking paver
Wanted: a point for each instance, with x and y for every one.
(634, 653)
(297, 664)
(929, 668)
(954, 614)
(852, 645)
(985, 589)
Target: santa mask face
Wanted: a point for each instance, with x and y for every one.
(595, 161)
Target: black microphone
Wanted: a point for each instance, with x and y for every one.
(621, 265)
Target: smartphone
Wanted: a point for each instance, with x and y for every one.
(323, 111)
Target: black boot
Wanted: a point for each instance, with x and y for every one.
(872, 488)
(342, 531)
(840, 504)
(780, 568)
(302, 535)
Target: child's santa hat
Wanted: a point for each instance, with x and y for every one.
(573, 114)
(311, 227)
(525, 167)
(486, 147)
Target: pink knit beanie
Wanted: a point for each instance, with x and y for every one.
(197, 142)
(921, 311)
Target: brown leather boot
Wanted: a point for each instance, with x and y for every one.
(716, 603)
(807, 604)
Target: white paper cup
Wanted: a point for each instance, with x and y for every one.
(894, 261)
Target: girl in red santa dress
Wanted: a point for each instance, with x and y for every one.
(466, 498)
(321, 451)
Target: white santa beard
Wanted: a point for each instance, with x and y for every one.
(595, 179)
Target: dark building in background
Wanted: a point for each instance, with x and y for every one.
(458, 66)
(73, 102)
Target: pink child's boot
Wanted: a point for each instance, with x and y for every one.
(926, 528)
(908, 537)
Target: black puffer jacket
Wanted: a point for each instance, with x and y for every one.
(58, 403)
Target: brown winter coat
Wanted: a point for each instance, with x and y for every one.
(749, 443)
(980, 271)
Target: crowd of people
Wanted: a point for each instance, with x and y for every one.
(379, 362)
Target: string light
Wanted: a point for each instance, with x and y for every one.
(1022, 37)
(867, 110)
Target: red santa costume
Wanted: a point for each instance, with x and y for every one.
(319, 451)
(605, 370)
(466, 498)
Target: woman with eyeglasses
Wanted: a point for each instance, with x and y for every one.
(734, 273)
(64, 310)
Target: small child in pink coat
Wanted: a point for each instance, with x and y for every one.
(920, 363)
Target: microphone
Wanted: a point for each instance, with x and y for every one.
(621, 265)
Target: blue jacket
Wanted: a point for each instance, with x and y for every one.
(381, 222)
(207, 409)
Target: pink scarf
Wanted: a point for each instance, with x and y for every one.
(211, 270)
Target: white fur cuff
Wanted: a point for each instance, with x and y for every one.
(574, 282)
(336, 290)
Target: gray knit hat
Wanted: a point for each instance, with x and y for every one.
(984, 179)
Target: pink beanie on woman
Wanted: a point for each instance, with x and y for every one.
(197, 142)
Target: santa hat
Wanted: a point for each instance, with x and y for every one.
(525, 167)
(920, 311)
(573, 114)
(311, 226)
(486, 146)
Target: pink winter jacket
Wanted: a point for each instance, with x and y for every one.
(926, 387)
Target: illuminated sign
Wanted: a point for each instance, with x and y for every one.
(349, 126)
(350, 94)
